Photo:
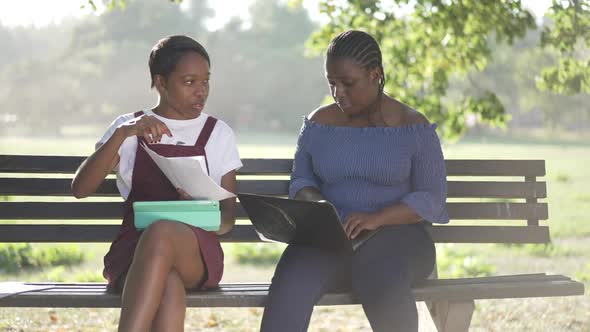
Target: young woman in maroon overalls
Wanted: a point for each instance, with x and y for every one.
(154, 268)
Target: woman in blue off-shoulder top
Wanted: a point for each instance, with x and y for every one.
(380, 163)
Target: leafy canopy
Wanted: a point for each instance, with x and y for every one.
(426, 43)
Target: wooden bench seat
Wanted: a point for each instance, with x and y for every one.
(489, 201)
(92, 295)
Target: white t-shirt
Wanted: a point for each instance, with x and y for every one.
(221, 149)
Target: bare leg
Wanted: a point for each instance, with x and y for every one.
(165, 246)
(171, 313)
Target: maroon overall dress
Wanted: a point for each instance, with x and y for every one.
(148, 183)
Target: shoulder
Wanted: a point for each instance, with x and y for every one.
(123, 118)
(223, 133)
(222, 126)
(325, 115)
(411, 117)
(400, 114)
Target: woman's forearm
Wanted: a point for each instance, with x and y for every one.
(309, 194)
(93, 170)
(398, 214)
(228, 215)
(228, 205)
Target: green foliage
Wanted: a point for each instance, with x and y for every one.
(569, 77)
(62, 274)
(429, 46)
(584, 274)
(513, 76)
(426, 43)
(568, 34)
(258, 253)
(453, 262)
(562, 177)
(17, 256)
(88, 276)
(547, 250)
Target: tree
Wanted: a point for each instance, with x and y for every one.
(95, 68)
(512, 75)
(261, 73)
(569, 34)
(117, 43)
(425, 43)
(83, 74)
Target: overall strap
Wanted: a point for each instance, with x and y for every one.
(206, 132)
(204, 138)
(138, 114)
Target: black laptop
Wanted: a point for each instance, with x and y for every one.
(299, 222)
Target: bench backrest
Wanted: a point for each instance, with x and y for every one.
(489, 201)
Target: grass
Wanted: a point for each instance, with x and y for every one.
(258, 253)
(17, 256)
(584, 274)
(568, 185)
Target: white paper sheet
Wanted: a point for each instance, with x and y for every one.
(190, 174)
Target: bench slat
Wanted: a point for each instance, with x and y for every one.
(457, 167)
(468, 189)
(61, 187)
(64, 165)
(114, 210)
(69, 164)
(39, 164)
(254, 295)
(502, 211)
(493, 189)
(246, 233)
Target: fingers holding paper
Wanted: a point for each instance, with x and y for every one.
(183, 195)
(188, 174)
(357, 222)
(150, 127)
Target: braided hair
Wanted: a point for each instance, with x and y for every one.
(360, 47)
(167, 52)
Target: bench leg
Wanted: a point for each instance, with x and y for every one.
(451, 316)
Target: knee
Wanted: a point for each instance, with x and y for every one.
(157, 239)
(384, 276)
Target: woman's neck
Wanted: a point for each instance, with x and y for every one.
(371, 116)
(168, 111)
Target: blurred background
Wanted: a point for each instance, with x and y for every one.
(67, 72)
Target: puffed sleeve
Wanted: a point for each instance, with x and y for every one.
(229, 155)
(429, 179)
(302, 174)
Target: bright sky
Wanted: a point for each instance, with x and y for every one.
(44, 12)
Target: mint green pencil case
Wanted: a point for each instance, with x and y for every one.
(203, 214)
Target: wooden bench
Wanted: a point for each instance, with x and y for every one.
(490, 201)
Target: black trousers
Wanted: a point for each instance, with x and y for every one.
(380, 274)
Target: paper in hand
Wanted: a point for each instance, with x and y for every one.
(189, 174)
